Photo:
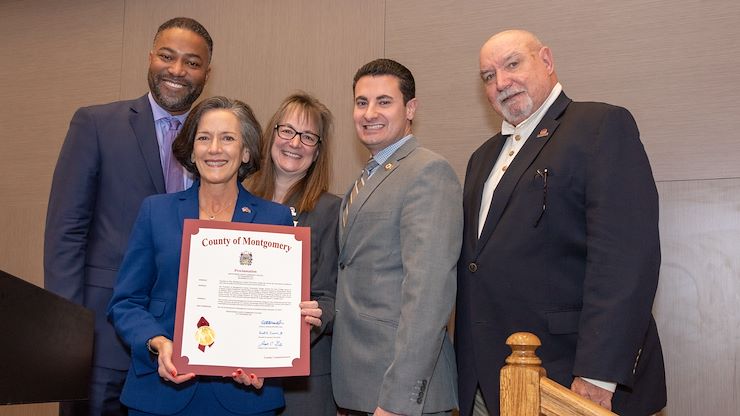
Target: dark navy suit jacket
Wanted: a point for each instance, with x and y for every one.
(108, 164)
(571, 255)
(145, 297)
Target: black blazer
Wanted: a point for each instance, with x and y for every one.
(323, 221)
(314, 396)
(108, 164)
(571, 254)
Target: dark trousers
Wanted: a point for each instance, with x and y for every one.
(105, 390)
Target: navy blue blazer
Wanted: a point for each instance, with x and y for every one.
(580, 273)
(108, 164)
(145, 297)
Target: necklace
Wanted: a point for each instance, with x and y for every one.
(212, 215)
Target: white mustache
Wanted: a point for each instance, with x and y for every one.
(503, 95)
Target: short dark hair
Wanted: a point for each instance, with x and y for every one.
(249, 128)
(191, 25)
(385, 66)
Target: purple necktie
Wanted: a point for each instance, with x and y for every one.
(173, 173)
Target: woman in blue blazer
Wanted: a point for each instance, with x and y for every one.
(219, 144)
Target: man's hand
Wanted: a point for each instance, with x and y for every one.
(596, 394)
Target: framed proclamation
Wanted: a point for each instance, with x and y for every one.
(237, 299)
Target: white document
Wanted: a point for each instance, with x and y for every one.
(240, 306)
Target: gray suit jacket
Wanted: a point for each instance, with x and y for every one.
(396, 288)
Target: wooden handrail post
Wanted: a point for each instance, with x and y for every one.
(520, 378)
(526, 390)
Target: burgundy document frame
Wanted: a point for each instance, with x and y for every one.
(300, 366)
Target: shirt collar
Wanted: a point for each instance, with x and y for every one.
(160, 113)
(384, 154)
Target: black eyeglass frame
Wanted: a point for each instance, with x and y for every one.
(300, 135)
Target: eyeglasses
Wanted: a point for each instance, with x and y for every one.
(286, 132)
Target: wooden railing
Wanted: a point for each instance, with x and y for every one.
(526, 390)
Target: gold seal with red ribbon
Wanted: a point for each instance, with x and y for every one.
(204, 335)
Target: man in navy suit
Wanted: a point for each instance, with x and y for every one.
(560, 239)
(113, 157)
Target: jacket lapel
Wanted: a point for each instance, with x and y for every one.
(478, 181)
(246, 206)
(341, 229)
(188, 206)
(535, 142)
(142, 122)
(382, 172)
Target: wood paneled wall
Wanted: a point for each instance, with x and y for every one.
(58, 56)
(674, 65)
(698, 303)
(265, 50)
(63, 54)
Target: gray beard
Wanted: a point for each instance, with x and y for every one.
(520, 114)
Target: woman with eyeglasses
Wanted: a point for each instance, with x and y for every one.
(295, 151)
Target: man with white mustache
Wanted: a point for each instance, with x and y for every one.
(399, 239)
(560, 239)
(114, 156)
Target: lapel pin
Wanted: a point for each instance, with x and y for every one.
(543, 133)
(246, 210)
(388, 166)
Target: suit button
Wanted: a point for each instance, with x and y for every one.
(341, 266)
(473, 267)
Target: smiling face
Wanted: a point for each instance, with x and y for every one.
(292, 158)
(218, 148)
(518, 73)
(178, 69)
(380, 116)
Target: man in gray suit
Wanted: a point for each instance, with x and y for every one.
(399, 241)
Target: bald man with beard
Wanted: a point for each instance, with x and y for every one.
(560, 239)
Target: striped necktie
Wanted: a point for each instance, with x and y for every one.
(173, 172)
(359, 184)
